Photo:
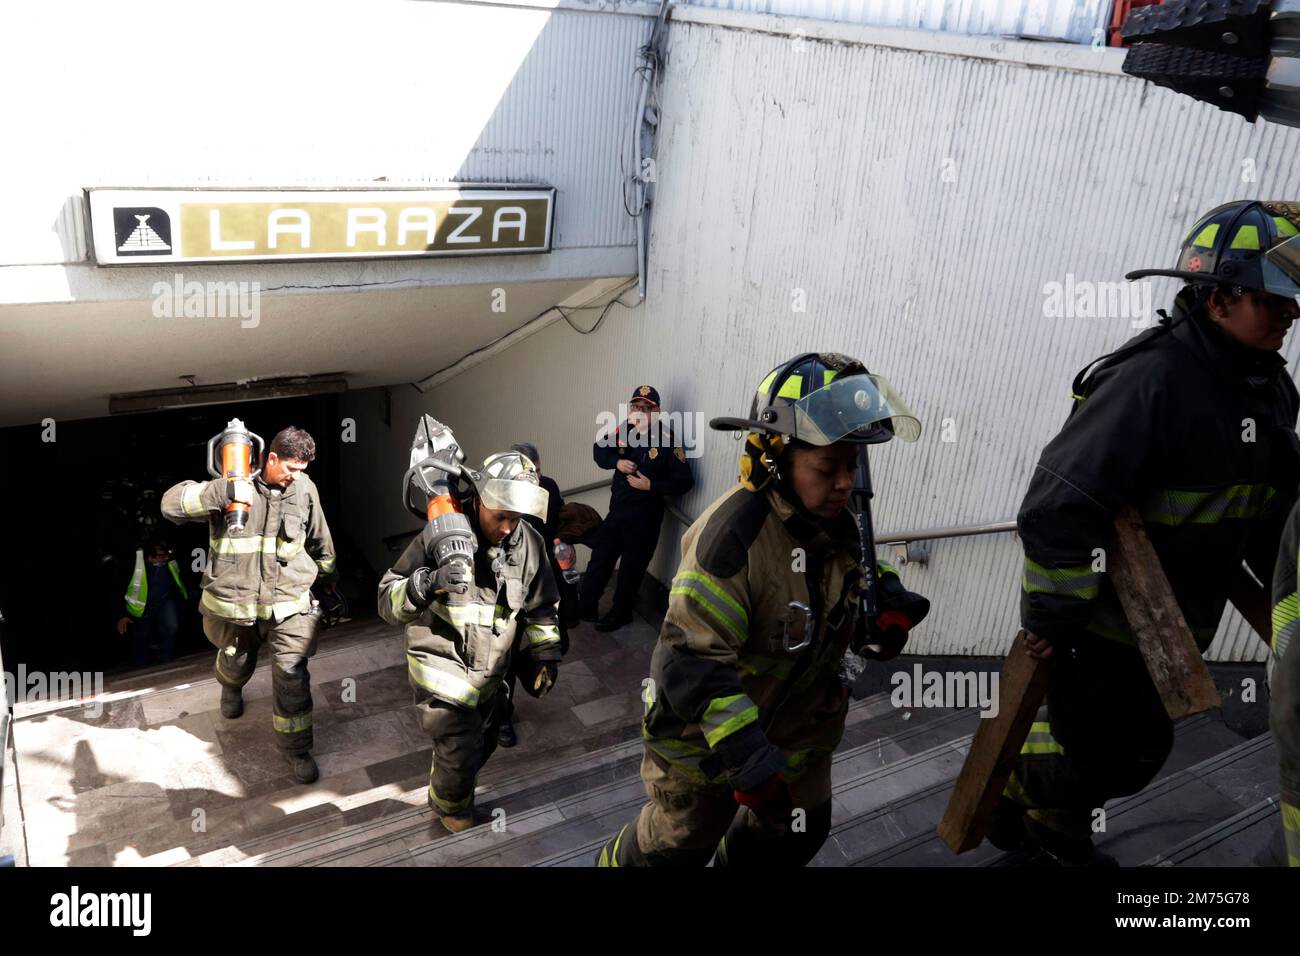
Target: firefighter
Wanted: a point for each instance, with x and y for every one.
(649, 465)
(745, 703)
(466, 630)
(1192, 423)
(257, 584)
(548, 528)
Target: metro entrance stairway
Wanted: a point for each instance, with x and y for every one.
(132, 786)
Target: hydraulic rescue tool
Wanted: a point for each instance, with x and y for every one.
(431, 491)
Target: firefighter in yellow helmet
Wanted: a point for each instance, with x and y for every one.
(1192, 423)
(466, 627)
(747, 696)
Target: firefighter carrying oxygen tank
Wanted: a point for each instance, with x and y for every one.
(268, 543)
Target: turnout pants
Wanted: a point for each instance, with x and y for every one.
(292, 642)
(1103, 733)
(1284, 718)
(686, 822)
(630, 537)
(463, 740)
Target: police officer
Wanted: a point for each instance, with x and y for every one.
(1193, 424)
(649, 465)
(257, 584)
(466, 630)
(746, 703)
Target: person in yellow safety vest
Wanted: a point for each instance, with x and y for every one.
(257, 584)
(153, 596)
(467, 629)
(748, 688)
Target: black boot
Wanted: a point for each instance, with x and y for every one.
(232, 702)
(506, 735)
(1007, 826)
(1063, 850)
(304, 767)
(613, 621)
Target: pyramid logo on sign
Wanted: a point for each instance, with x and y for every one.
(142, 231)
(143, 238)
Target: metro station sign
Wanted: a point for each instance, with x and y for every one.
(157, 226)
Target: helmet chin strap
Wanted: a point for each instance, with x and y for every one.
(862, 495)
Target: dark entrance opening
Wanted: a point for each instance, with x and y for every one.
(78, 508)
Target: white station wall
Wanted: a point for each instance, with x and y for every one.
(916, 205)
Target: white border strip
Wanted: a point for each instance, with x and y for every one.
(1062, 56)
(1082, 58)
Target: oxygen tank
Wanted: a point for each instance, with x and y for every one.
(238, 449)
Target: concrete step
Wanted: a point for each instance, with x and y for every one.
(518, 803)
(349, 841)
(1183, 804)
(151, 773)
(1243, 839)
(1199, 742)
(866, 763)
(552, 733)
(157, 761)
(414, 826)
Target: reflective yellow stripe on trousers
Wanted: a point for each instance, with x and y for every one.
(291, 725)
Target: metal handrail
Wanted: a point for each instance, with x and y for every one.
(893, 537)
(595, 485)
(956, 531)
(589, 486)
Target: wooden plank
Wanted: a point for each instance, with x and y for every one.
(993, 751)
(1167, 645)
(1174, 661)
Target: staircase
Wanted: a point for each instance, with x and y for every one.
(159, 778)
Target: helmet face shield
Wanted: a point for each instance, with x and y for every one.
(507, 494)
(849, 407)
(508, 482)
(1281, 269)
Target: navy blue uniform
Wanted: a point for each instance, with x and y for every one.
(631, 529)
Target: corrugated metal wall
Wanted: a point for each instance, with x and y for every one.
(919, 204)
(1073, 20)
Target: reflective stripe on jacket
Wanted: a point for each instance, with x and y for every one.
(460, 648)
(1197, 433)
(267, 570)
(724, 693)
